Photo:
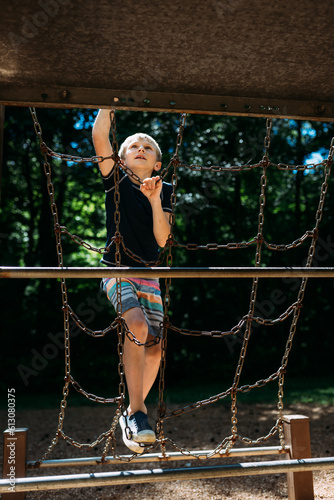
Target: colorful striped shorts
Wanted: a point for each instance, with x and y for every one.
(141, 293)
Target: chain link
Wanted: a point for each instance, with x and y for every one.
(168, 281)
(93, 397)
(235, 330)
(267, 139)
(89, 331)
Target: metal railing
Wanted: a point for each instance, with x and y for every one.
(163, 272)
(159, 475)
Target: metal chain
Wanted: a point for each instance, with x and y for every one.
(248, 330)
(217, 168)
(89, 331)
(54, 211)
(284, 362)
(319, 214)
(119, 318)
(93, 397)
(179, 138)
(299, 168)
(121, 327)
(80, 241)
(67, 312)
(213, 333)
(218, 397)
(186, 246)
(246, 167)
(147, 263)
(267, 139)
(117, 239)
(237, 328)
(169, 261)
(244, 244)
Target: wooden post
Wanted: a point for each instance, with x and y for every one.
(297, 437)
(2, 124)
(14, 460)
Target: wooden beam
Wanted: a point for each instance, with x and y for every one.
(198, 57)
(73, 97)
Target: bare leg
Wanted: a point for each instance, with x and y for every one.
(141, 364)
(152, 364)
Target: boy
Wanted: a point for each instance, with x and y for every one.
(144, 225)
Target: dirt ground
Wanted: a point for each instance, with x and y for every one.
(201, 429)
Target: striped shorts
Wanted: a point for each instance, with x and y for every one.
(141, 293)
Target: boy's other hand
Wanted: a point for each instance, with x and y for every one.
(151, 188)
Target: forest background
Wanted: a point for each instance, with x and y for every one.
(211, 207)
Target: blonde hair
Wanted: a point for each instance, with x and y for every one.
(135, 137)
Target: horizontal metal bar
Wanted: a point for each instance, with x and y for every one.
(94, 479)
(164, 272)
(49, 96)
(157, 457)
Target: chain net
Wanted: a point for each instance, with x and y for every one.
(243, 328)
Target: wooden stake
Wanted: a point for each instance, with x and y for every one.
(297, 437)
(14, 460)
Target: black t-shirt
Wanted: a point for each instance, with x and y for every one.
(136, 221)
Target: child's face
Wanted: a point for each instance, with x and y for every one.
(141, 157)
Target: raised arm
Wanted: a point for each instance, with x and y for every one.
(101, 130)
(151, 188)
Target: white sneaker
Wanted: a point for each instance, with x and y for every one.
(132, 445)
(140, 429)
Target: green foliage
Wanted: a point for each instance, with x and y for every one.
(212, 207)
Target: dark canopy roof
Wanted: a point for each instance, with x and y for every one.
(254, 57)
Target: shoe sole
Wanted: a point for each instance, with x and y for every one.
(145, 437)
(132, 445)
